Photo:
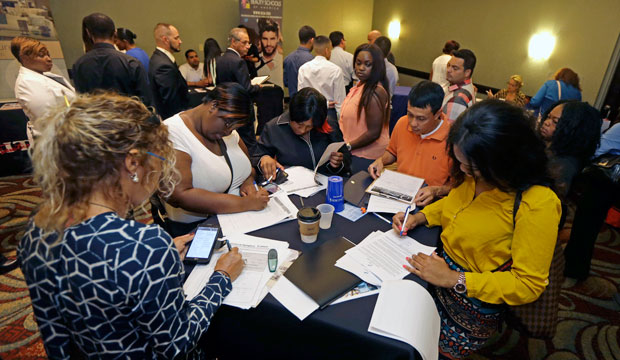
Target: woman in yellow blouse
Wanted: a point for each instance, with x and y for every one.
(494, 159)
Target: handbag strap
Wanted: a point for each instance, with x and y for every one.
(222, 145)
(559, 90)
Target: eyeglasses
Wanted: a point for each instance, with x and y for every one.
(157, 156)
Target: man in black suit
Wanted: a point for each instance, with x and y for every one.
(230, 67)
(167, 84)
(103, 67)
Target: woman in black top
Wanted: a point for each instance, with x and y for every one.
(299, 137)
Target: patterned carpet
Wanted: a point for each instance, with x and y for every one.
(589, 318)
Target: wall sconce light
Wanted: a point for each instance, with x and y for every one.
(394, 29)
(541, 46)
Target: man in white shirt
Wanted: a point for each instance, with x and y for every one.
(326, 77)
(390, 70)
(271, 59)
(438, 73)
(193, 69)
(342, 58)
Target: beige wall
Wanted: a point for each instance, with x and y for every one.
(197, 20)
(499, 31)
(193, 18)
(352, 17)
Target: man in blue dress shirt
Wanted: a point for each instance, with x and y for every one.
(297, 58)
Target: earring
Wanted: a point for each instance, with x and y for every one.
(134, 177)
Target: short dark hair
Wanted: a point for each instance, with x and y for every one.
(125, 34)
(426, 93)
(267, 26)
(233, 99)
(98, 25)
(336, 38)
(578, 131)
(384, 44)
(450, 47)
(469, 59)
(189, 51)
(321, 40)
(499, 139)
(308, 103)
(306, 33)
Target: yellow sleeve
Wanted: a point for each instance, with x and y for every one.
(433, 212)
(532, 247)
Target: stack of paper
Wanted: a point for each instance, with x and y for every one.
(405, 311)
(303, 182)
(249, 288)
(396, 186)
(279, 208)
(380, 257)
(385, 205)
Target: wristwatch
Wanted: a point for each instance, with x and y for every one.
(460, 286)
(348, 145)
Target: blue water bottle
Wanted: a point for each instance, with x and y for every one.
(335, 193)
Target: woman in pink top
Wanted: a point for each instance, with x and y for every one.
(364, 115)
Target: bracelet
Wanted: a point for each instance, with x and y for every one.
(226, 274)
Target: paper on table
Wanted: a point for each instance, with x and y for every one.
(259, 80)
(322, 179)
(247, 287)
(395, 185)
(384, 253)
(293, 299)
(285, 260)
(353, 213)
(279, 208)
(385, 205)
(300, 178)
(405, 311)
(348, 263)
(333, 147)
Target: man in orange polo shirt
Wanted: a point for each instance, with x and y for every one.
(418, 143)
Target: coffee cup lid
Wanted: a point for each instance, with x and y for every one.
(308, 214)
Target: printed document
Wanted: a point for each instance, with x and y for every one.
(279, 208)
(259, 80)
(405, 311)
(382, 254)
(333, 147)
(397, 186)
(247, 288)
(384, 205)
(303, 182)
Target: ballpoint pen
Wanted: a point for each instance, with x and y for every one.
(228, 245)
(405, 220)
(255, 186)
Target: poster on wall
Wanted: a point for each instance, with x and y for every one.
(263, 18)
(31, 18)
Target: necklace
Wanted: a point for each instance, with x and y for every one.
(101, 205)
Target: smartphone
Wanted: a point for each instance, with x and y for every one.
(201, 248)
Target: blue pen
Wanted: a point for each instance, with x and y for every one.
(405, 220)
(228, 245)
(255, 186)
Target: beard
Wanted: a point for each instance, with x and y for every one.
(267, 53)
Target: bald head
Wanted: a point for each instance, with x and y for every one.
(373, 35)
(167, 37)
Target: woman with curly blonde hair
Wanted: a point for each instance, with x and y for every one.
(102, 285)
(512, 93)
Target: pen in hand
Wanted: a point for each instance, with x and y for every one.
(405, 219)
(228, 245)
(255, 186)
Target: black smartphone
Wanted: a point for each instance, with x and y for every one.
(201, 247)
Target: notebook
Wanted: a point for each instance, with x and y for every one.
(315, 274)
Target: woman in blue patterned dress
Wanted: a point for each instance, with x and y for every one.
(103, 286)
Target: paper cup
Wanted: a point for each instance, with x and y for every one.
(327, 213)
(308, 219)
